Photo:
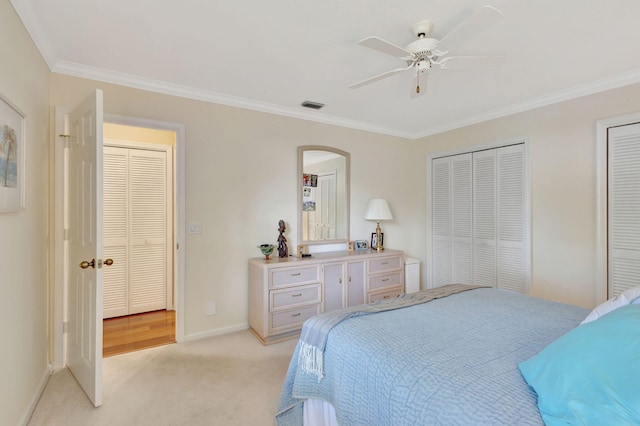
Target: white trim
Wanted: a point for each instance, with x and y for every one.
(527, 177)
(609, 83)
(36, 397)
(129, 80)
(216, 332)
(179, 213)
(58, 314)
(602, 255)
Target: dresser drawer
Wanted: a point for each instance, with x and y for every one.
(389, 294)
(387, 280)
(293, 318)
(290, 297)
(385, 264)
(286, 277)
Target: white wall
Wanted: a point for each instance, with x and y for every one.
(24, 235)
(241, 169)
(563, 138)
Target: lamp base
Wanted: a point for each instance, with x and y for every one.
(378, 246)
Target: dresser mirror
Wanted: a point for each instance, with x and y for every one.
(323, 196)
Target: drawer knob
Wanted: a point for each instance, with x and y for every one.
(296, 295)
(296, 274)
(385, 279)
(385, 263)
(296, 315)
(386, 297)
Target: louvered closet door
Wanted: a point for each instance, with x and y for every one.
(484, 218)
(511, 204)
(115, 195)
(148, 216)
(461, 219)
(441, 221)
(624, 208)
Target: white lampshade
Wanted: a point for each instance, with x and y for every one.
(378, 209)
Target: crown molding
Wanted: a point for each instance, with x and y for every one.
(129, 80)
(609, 83)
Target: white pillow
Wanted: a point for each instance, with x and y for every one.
(628, 297)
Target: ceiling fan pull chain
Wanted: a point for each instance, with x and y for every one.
(417, 81)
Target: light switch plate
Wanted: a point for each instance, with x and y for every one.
(195, 228)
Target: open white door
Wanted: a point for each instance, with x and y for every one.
(85, 245)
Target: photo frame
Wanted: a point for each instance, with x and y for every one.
(361, 245)
(374, 240)
(12, 157)
(310, 180)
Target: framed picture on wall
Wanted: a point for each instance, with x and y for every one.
(12, 157)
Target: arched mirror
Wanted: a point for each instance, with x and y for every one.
(323, 195)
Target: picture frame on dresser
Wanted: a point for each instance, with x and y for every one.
(361, 245)
(374, 240)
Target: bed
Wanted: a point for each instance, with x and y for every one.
(456, 360)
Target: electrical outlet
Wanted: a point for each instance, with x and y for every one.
(210, 308)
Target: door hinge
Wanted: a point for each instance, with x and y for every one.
(65, 327)
(65, 235)
(177, 246)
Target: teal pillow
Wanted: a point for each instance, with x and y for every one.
(591, 375)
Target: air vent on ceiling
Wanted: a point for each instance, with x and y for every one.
(312, 105)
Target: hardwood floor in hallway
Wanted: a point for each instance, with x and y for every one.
(134, 332)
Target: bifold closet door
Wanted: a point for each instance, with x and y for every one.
(452, 200)
(136, 200)
(479, 219)
(623, 147)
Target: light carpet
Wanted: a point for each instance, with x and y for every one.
(224, 380)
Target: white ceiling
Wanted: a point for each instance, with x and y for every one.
(272, 55)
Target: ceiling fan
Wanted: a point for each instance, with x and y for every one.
(424, 53)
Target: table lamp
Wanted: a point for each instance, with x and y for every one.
(378, 210)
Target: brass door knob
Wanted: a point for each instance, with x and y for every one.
(84, 264)
(108, 262)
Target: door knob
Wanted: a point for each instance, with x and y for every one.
(84, 264)
(108, 262)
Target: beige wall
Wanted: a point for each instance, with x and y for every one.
(139, 134)
(563, 165)
(24, 235)
(241, 169)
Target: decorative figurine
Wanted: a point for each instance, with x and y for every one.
(283, 250)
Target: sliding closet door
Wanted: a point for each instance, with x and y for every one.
(624, 208)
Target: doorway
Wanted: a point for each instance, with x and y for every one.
(138, 181)
(59, 301)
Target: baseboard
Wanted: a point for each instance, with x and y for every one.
(36, 398)
(216, 332)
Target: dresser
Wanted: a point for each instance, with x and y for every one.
(284, 293)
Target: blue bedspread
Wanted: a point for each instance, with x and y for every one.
(451, 361)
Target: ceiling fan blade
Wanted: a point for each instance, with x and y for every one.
(376, 43)
(472, 63)
(419, 84)
(485, 17)
(378, 77)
